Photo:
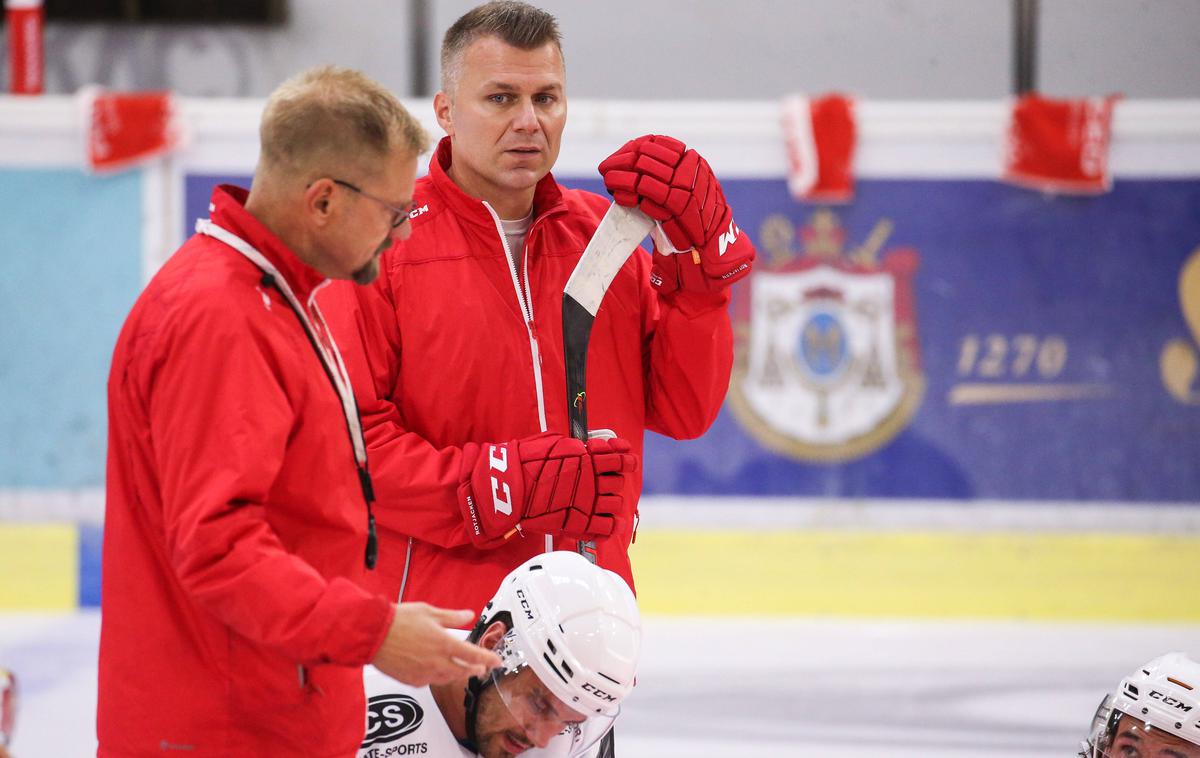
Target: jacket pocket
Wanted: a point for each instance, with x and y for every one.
(264, 686)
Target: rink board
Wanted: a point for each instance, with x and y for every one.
(70, 268)
(787, 572)
(1036, 352)
(927, 575)
(1040, 324)
(1014, 291)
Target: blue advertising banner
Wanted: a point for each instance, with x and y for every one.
(953, 339)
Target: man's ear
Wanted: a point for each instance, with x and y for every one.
(491, 636)
(318, 200)
(442, 108)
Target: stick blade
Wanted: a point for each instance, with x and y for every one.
(614, 240)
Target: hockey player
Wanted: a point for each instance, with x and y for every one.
(1155, 713)
(456, 351)
(8, 709)
(568, 634)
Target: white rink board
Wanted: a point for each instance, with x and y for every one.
(709, 687)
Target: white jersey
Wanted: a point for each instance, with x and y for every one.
(405, 721)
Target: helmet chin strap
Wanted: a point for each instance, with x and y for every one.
(471, 698)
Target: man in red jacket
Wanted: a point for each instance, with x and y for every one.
(457, 352)
(238, 527)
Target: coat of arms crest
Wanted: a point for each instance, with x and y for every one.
(828, 364)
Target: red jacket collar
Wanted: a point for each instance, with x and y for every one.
(547, 196)
(228, 210)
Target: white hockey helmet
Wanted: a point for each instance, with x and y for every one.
(8, 705)
(576, 625)
(1163, 695)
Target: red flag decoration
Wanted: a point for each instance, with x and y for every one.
(127, 128)
(1060, 145)
(820, 135)
(24, 19)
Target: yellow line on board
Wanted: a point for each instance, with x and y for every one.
(39, 566)
(991, 394)
(935, 575)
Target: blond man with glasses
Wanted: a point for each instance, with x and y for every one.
(239, 528)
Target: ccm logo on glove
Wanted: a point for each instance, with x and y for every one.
(498, 460)
(546, 484)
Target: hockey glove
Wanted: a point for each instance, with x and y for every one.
(546, 484)
(676, 187)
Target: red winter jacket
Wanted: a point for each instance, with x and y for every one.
(234, 623)
(441, 354)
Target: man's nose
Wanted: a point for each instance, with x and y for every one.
(525, 119)
(543, 731)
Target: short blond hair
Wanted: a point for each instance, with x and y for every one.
(325, 118)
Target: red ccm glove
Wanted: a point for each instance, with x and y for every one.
(547, 484)
(676, 187)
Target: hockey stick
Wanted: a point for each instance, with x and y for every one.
(614, 240)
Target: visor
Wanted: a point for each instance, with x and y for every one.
(555, 729)
(1115, 734)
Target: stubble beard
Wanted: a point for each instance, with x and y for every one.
(489, 730)
(492, 746)
(367, 273)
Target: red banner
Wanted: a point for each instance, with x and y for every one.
(125, 128)
(1060, 145)
(820, 135)
(24, 19)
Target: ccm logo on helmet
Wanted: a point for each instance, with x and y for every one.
(1173, 702)
(525, 606)
(589, 687)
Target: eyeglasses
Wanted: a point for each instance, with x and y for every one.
(399, 215)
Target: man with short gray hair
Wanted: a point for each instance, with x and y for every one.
(239, 528)
(457, 349)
